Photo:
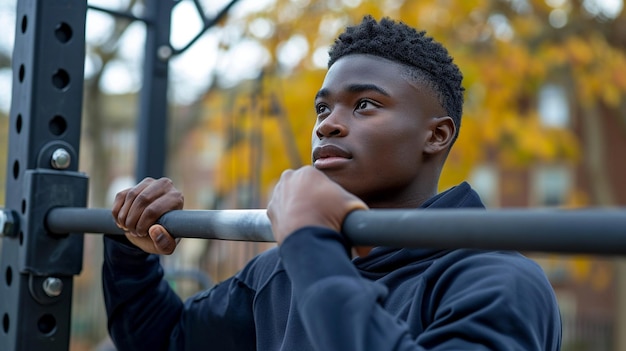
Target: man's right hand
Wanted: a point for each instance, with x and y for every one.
(137, 209)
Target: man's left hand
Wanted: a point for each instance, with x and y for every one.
(307, 197)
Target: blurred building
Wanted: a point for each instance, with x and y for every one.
(586, 286)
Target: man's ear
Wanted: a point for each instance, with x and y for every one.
(440, 136)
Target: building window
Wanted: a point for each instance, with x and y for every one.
(484, 179)
(551, 186)
(553, 106)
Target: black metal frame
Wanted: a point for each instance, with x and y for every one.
(153, 106)
(37, 268)
(45, 122)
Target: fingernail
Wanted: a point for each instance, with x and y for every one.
(160, 238)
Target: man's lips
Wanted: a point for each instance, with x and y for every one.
(329, 155)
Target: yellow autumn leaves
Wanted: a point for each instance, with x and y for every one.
(508, 55)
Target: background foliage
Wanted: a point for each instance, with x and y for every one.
(508, 51)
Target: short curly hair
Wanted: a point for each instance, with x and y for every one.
(428, 61)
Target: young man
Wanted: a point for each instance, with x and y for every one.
(388, 112)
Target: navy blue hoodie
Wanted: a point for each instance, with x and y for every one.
(308, 294)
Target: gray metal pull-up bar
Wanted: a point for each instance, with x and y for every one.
(591, 231)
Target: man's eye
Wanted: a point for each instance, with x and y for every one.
(365, 104)
(320, 109)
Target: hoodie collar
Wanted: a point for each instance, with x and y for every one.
(459, 196)
(386, 259)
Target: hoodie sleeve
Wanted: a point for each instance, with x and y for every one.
(144, 313)
(340, 310)
(343, 311)
(142, 309)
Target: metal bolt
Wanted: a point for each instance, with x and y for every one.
(53, 286)
(60, 159)
(164, 52)
(7, 223)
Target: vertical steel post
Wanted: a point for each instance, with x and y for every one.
(153, 106)
(37, 268)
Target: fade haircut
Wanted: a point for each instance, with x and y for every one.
(427, 61)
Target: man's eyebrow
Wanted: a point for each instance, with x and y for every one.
(322, 93)
(354, 88)
(358, 88)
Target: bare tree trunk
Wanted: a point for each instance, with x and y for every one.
(595, 157)
(595, 147)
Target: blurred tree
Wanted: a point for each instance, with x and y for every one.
(508, 50)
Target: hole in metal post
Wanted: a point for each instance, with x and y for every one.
(22, 73)
(47, 324)
(18, 124)
(5, 323)
(16, 169)
(8, 276)
(63, 32)
(21, 237)
(57, 125)
(24, 23)
(61, 79)
(23, 206)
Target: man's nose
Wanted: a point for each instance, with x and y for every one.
(332, 125)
